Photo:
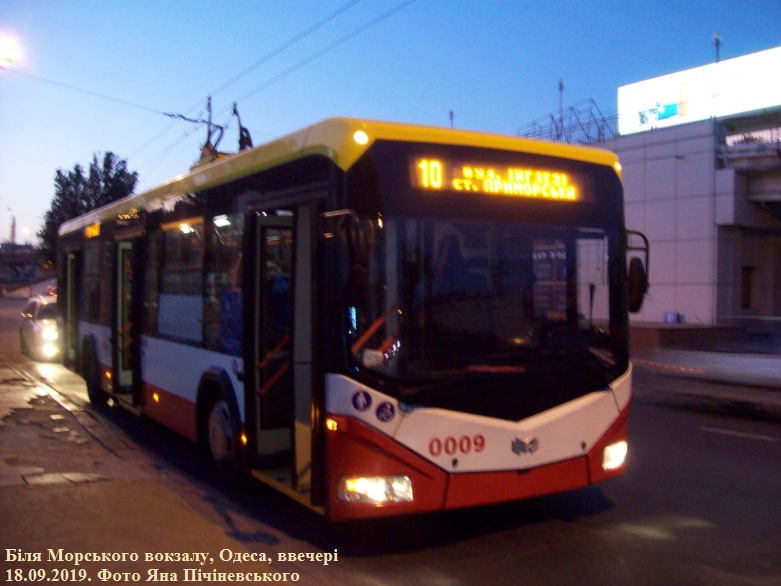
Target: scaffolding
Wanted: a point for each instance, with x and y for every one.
(582, 123)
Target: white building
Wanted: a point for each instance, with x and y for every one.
(701, 156)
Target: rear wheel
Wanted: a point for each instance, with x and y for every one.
(223, 440)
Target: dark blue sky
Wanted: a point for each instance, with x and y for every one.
(96, 76)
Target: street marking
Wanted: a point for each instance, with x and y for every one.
(754, 436)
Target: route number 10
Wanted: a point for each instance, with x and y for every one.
(430, 175)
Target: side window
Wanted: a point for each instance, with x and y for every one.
(223, 298)
(151, 289)
(180, 309)
(106, 283)
(89, 301)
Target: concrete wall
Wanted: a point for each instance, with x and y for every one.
(760, 252)
(696, 200)
(669, 181)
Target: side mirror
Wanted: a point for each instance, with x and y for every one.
(637, 272)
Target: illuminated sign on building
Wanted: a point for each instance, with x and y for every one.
(733, 86)
(518, 181)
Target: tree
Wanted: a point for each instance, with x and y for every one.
(76, 193)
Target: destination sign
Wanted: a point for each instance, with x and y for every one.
(92, 231)
(438, 174)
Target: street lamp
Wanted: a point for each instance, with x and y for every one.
(9, 51)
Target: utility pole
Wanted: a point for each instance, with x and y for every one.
(717, 43)
(561, 109)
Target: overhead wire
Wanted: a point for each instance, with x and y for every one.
(266, 58)
(85, 91)
(236, 77)
(155, 160)
(325, 50)
(240, 75)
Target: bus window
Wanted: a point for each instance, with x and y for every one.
(276, 300)
(149, 315)
(223, 302)
(181, 297)
(90, 301)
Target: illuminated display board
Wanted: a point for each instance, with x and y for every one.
(732, 86)
(438, 174)
(92, 231)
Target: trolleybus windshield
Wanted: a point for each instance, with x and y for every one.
(491, 318)
(483, 312)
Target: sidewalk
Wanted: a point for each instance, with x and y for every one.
(738, 370)
(70, 483)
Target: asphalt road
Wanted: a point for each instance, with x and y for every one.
(699, 505)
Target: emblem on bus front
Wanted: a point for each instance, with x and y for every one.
(525, 446)
(385, 412)
(362, 401)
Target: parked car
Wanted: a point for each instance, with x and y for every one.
(38, 330)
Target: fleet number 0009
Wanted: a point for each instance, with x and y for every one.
(450, 445)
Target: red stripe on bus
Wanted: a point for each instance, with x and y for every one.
(171, 410)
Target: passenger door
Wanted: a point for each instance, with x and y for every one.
(126, 327)
(283, 344)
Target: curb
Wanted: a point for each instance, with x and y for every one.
(703, 392)
(760, 370)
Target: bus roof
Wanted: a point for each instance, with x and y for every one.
(343, 140)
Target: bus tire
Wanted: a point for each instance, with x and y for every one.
(89, 361)
(221, 436)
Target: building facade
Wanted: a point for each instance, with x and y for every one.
(701, 156)
(709, 205)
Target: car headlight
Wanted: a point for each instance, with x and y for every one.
(49, 350)
(49, 334)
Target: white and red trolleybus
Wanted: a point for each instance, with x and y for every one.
(374, 318)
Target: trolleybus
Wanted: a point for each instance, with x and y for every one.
(374, 318)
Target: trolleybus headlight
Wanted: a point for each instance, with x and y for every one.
(376, 490)
(614, 455)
